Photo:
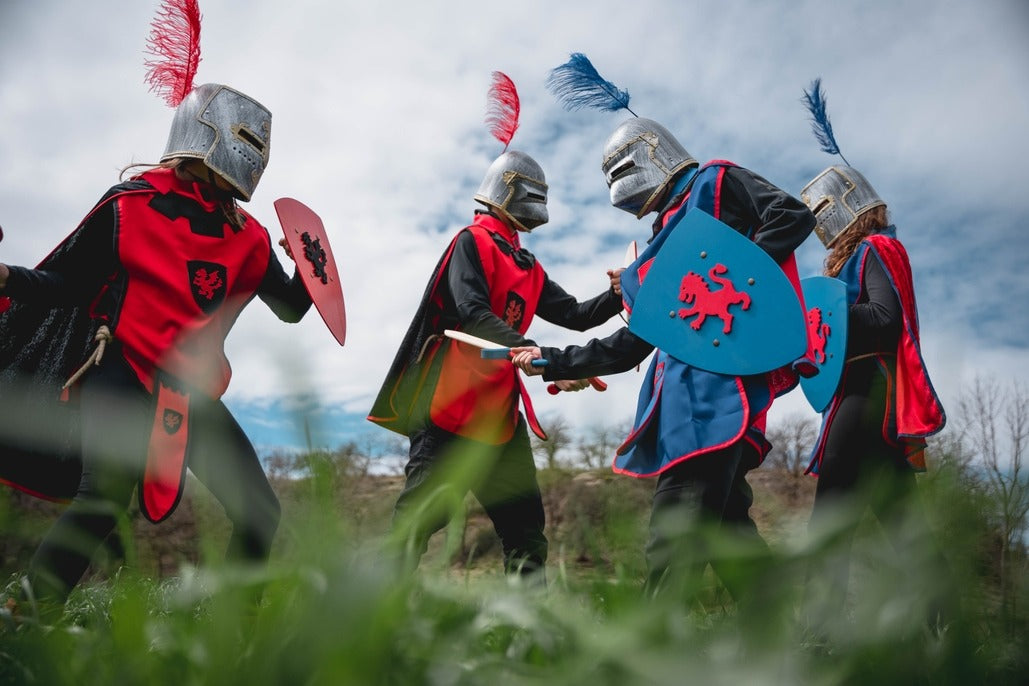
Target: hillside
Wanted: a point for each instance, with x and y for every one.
(594, 518)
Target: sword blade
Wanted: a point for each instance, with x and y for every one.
(631, 254)
(471, 340)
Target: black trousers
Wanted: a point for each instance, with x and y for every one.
(862, 471)
(116, 419)
(442, 467)
(697, 503)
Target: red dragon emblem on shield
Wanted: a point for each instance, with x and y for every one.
(696, 291)
(514, 310)
(207, 281)
(818, 333)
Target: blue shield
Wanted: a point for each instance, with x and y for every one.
(714, 300)
(827, 315)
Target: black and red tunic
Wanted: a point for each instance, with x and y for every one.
(487, 285)
(157, 262)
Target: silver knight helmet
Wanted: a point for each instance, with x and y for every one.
(229, 131)
(836, 197)
(640, 158)
(515, 187)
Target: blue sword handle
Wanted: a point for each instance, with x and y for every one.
(505, 353)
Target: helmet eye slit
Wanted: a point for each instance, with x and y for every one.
(622, 169)
(250, 138)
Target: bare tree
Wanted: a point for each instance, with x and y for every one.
(559, 437)
(281, 465)
(597, 448)
(394, 453)
(793, 439)
(947, 451)
(994, 425)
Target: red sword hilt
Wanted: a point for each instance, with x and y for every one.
(597, 384)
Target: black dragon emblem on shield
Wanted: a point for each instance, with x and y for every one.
(315, 254)
(207, 282)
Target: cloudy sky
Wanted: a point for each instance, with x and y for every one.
(378, 126)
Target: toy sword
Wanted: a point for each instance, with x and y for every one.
(631, 253)
(495, 351)
(597, 384)
(490, 350)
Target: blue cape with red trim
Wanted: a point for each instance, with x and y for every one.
(683, 411)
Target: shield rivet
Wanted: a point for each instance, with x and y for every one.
(703, 254)
(715, 342)
(671, 314)
(750, 281)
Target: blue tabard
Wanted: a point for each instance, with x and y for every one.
(683, 411)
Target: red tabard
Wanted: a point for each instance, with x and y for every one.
(186, 284)
(478, 398)
(185, 290)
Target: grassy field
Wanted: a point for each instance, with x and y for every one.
(331, 609)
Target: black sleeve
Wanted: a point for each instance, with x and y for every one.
(468, 293)
(778, 222)
(286, 297)
(619, 352)
(74, 273)
(880, 317)
(558, 307)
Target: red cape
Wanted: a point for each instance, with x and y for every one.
(918, 408)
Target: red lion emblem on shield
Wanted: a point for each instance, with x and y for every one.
(694, 290)
(818, 333)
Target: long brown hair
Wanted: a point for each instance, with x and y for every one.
(228, 204)
(868, 222)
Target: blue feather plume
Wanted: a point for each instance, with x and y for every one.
(577, 84)
(820, 124)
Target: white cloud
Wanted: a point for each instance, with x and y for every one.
(378, 126)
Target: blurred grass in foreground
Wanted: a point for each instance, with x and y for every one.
(334, 611)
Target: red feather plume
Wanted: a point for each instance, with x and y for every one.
(175, 44)
(502, 108)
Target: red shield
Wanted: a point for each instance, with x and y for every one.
(307, 240)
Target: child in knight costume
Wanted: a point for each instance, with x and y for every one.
(155, 275)
(698, 432)
(460, 411)
(873, 433)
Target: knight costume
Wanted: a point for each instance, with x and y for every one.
(447, 399)
(883, 340)
(697, 431)
(154, 277)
